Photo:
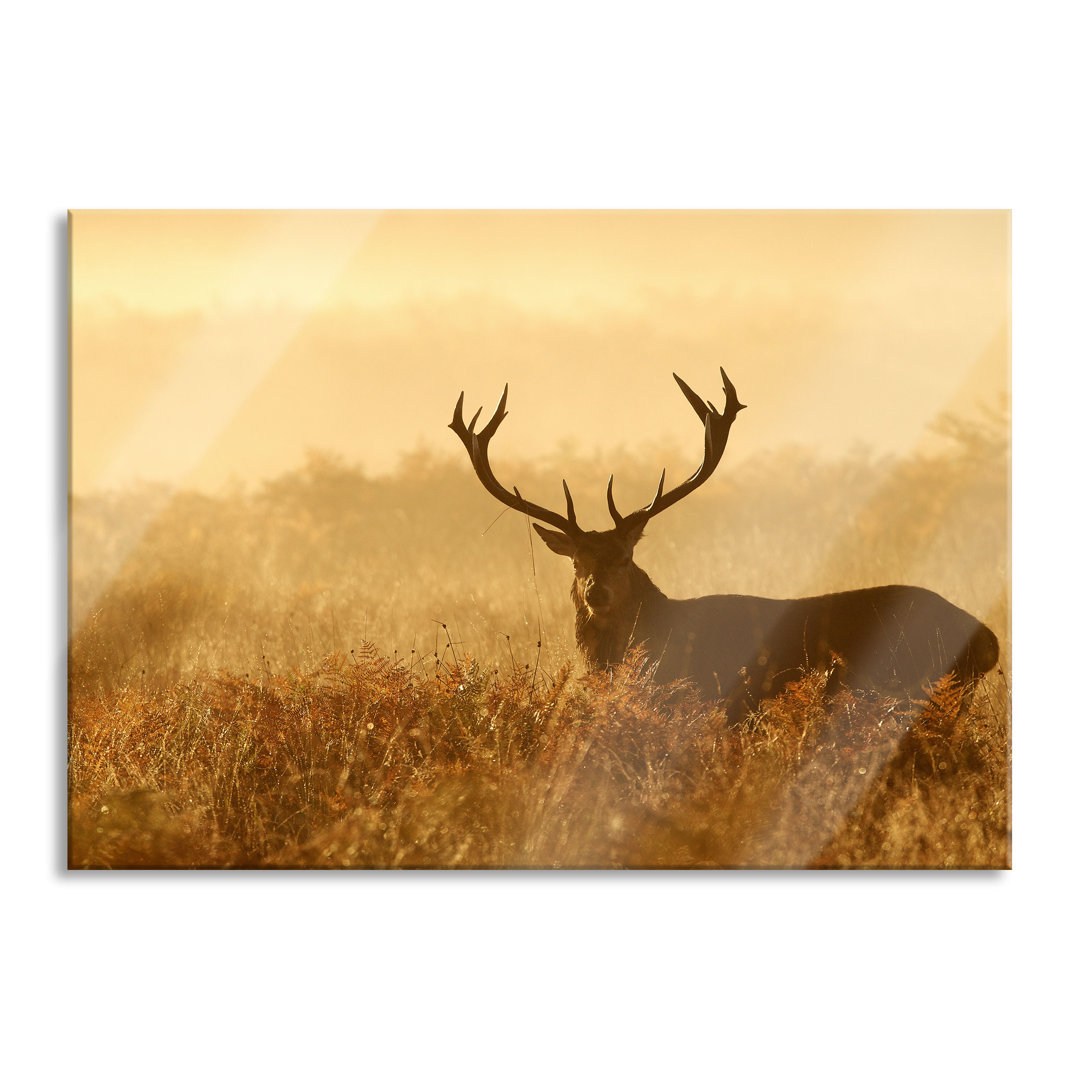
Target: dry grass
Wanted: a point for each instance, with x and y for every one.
(364, 763)
(336, 671)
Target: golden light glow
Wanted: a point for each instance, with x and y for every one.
(208, 347)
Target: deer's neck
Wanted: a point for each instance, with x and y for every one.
(603, 641)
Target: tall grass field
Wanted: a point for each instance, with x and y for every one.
(334, 670)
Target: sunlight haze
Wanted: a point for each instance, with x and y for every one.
(216, 347)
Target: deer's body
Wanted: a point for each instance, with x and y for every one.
(889, 638)
(894, 638)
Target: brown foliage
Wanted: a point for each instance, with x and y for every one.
(366, 763)
(207, 729)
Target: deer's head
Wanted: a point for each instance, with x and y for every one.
(603, 561)
(603, 567)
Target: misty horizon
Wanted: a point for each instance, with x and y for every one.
(214, 348)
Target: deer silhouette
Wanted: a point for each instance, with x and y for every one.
(891, 638)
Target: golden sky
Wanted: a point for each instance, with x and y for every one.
(212, 347)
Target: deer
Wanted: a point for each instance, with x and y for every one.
(740, 650)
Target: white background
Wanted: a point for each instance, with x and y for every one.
(566, 105)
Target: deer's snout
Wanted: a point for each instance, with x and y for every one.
(596, 594)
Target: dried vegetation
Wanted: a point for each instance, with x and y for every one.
(336, 671)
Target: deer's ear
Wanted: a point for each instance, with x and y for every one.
(559, 542)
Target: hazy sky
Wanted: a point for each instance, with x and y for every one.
(208, 347)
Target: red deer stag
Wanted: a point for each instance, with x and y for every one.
(893, 638)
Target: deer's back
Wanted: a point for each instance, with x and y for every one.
(892, 637)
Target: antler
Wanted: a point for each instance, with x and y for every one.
(717, 427)
(476, 443)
